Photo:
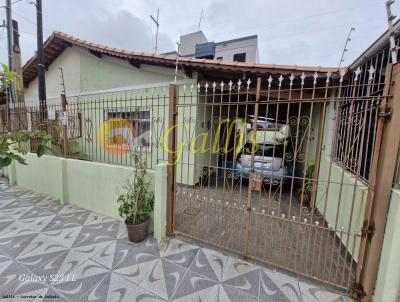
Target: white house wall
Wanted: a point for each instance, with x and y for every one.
(228, 50)
(69, 61)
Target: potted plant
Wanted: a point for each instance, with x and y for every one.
(304, 192)
(136, 202)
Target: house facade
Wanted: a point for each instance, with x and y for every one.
(333, 127)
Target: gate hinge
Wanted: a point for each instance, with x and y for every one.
(386, 114)
(368, 229)
(357, 292)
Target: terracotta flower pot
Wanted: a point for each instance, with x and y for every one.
(303, 199)
(138, 232)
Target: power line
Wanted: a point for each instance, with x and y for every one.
(290, 20)
(30, 21)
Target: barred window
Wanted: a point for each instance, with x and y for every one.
(136, 133)
(355, 137)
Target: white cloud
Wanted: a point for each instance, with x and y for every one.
(308, 32)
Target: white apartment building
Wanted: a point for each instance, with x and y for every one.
(243, 49)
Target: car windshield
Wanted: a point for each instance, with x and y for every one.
(269, 150)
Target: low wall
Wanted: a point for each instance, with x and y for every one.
(343, 199)
(90, 185)
(388, 284)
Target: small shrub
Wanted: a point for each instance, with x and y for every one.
(136, 202)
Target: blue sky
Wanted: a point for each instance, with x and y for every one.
(308, 32)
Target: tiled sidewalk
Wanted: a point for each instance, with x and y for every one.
(39, 237)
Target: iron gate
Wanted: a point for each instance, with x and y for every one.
(279, 169)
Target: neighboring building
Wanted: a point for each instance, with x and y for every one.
(244, 49)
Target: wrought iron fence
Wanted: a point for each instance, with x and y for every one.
(243, 156)
(102, 127)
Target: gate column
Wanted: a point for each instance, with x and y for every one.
(171, 178)
(381, 187)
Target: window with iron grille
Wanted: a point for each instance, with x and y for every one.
(358, 115)
(135, 132)
(355, 137)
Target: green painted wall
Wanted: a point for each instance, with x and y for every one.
(93, 186)
(388, 283)
(340, 195)
(107, 72)
(42, 175)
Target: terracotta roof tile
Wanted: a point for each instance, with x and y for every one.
(29, 69)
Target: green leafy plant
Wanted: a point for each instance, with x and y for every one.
(11, 145)
(6, 77)
(309, 169)
(136, 202)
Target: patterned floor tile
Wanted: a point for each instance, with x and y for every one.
(232, 294)
(39, 246)
(50, 205)
(144, 252)
(64, 236)
(161, 277)
(74, 214)
(242, 275)
(36, 222)
(178, 252)
(275, 286)
(89, 236)
(122, 232)
(41, 236)
(15, 211)
(142, 295)
(88, 278)
(26, 289)
(92, 249)
(210, 264)
(59, 222)
(110, 228)
(94, 218)
(120, 289)
(10, 274)
(195, 287)
(15, 229)
(60, 263)
(311, 293)
(14, 246)
(113, 255)
(4, 201)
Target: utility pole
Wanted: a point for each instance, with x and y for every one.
(390, 18)
(19, 83)
(10, 47)
(155, 20)
(40, 61)
(64, 114)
